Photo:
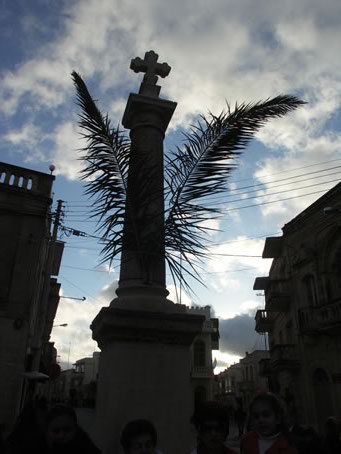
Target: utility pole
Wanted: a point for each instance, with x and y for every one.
(57, 221)
(39, 341)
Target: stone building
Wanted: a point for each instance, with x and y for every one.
(240, 382)
(201, 367)
(79, 384)
(252, 380)
(28, 295)
(302, 314)
(227, 385)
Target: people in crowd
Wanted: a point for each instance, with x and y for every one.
(139, 437)
(305, 439)
(240, 418)
(63, 435)
(269, 433)
(29, 428)
(57, 433)
(332, 438)
(212, 425)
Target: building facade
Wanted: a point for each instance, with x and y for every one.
(28, 296)
(239, 383)
(79, 384)
(227, 385)
(252, 379)
(202, 367)
(302, 313)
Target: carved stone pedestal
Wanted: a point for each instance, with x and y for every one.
(144, 373)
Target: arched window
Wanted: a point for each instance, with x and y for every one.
(199, 353)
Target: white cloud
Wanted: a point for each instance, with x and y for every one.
(74, 341)
(236, 254)
(216, 53)
(65, 154)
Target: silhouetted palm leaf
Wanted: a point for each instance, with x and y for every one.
(193, 174)
(107, 157)
(201, 169)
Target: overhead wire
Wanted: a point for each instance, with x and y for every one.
(77, 213)
(257, 184)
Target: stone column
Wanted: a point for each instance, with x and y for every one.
(144, 338)
(142, 274)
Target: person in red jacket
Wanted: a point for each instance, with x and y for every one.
(269, 431)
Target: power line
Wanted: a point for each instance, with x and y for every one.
(273, 201)
(267, 183)
(168, 274)
(276, 193)
(243, 207)
(82, 290)
(278, 186)
(293, 170)
(226, 197)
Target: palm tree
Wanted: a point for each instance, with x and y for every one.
(193, 173)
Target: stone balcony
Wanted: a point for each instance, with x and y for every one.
(277, 295)
(202, 372)
(264, 321)
(322, 319)
(25, 180)
(284, 357)
(278, 302)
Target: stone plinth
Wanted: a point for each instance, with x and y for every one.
(145, 373)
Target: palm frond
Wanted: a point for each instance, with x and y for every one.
(107, 156)
(201, 168)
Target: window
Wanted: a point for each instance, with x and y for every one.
(199, 354)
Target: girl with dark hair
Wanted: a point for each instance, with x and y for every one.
(64, 436)
(269, 433)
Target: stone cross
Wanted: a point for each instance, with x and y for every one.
(152, 69)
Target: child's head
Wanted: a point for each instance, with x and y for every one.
(267, 414)
(211, 422)
(139, 437)
(61, 425)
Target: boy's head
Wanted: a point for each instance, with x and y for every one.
(61, 426)
(139, 437)
(211, 422)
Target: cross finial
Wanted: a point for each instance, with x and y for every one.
(152, 69)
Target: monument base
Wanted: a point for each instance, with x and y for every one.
(145, 374)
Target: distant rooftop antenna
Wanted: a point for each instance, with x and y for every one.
(52, 168)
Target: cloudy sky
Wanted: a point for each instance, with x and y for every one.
(219, 51)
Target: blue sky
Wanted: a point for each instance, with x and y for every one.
(221, 50)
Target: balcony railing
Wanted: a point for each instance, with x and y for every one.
(277, 295)
(278, 302)
(25, 179)
(202, 372)
(284, 357)
(326, 318)
(264, 321)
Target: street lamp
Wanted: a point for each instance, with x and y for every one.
(62, 324)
